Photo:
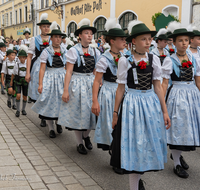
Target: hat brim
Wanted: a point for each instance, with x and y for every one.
(51, 34)
(26, 32)
(129, 39)
(39, 24)
(156, 38)
(181, 34)
(114, 35)
(78, 31)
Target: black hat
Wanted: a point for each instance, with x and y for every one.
(43, 20)
(8, 52)
(181, 32)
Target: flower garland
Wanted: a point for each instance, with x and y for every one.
(142, 64)
(45, 43)
(186, 63)
(116, 60)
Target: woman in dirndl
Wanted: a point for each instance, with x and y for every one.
(51, 80)
(183, 98)
(75, 112)
(139, 136)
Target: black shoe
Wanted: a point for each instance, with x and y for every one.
(183, 162)
(81, 149)
(24, 112)
(43, 123)
(17, 114)
(52, 134)
(141, 185)
(14, 107)
(118, 170)
(180, 172)
(2, 92)
(88, 143)
(59, 129)
(9, 104)
(29, 100)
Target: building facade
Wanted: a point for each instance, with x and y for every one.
(68, 13)
(15, 16)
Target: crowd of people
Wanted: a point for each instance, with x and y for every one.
(139, 91)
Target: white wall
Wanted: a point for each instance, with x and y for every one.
(186, 12)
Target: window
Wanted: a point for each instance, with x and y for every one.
(20, 15)
(25, 14)
(0, 21)
(125, 19)
(10, 18)
(32, 12)
(3, 20)
(2, 1)
(99, 25)
(42, 4)
(47, 3)
(15, 17)
(72, 28)
(6, 19)
(173, 10)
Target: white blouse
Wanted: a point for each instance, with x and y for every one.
(7, 63)
(44, 56)
(72, 55)
(31, 48)
(167, 68)
(16, 68)
(124, 65)
(102, 65)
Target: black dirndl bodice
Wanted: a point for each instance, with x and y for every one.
(56, 63)
(161, 59)
(108, 76)
(144, 76)
(88, 67)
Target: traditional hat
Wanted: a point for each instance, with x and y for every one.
(8, 52)
(69, 43)
(84, 24)
(2, 43)
(137, 28)
(23, 50)
(43, 20)
(177, 30)
(55, 29)
(113, 28)
(162, 34)
(26, 31)
(193, 29)
(2, 38)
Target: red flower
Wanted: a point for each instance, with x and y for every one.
(171, 50)
(45, 43)
(117, 60)
(189, 62)
(86, 54)
(142, 65)
(57, 54)
(186, 63)
(163, 56)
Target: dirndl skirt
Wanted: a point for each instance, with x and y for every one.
(49, 102)
(103, 131)
(183, 104)
(34, 83)
(139, 139)
(77, 114)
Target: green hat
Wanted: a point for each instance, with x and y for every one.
(181, 32)
(26, 32)
(22, 53)
(55, 29)
(2, 44)
(196, 33)
(116, 32)
(9, 52)
(140, 29)
(162, 37)
(69, 46)
(168, 33)
(84, 24)
(43, 20)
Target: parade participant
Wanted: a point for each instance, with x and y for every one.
(106, 68)
(170, 47)
(37, 45)
(161, 40)
(2, 58)
(139, 136)
(183, 98)
(7, 69)
(19, 73)
(75, 112)
(51, 80)
(27, 39)
(64, 41)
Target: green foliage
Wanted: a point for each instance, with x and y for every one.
(154, 17)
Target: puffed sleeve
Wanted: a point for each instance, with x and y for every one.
(4, 70)
(167, 68)
(44, 56)
(31, 48)
(122, 70)
(71, 55)
(157, 71)
(101, 65)
(198, 67)
(1, 57)
(15, 69)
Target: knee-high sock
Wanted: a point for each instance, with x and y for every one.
(134, 181)
(18, 105)
(79, 137)
(13, 99)
(2, 87)
(86, 133)
(24, 105)
(50, 124)
(176, 157)
(9, 97)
